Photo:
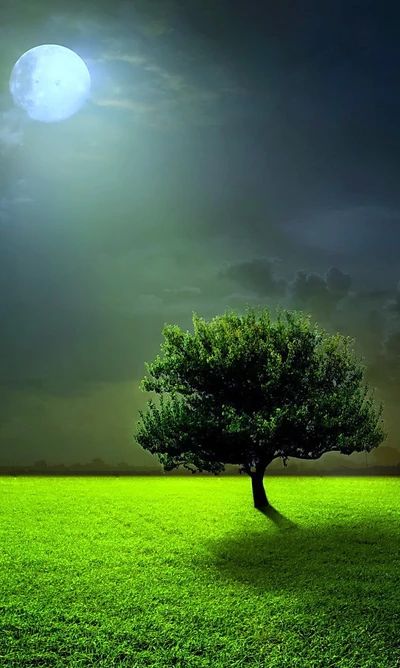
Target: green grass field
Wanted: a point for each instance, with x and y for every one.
(164, 571)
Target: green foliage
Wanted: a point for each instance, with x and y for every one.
(244, 390)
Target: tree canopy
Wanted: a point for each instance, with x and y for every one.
(245, 390)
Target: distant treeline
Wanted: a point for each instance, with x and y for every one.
(98, 466)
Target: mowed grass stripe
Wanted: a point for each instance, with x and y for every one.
(169, 571)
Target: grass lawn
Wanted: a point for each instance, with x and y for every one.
(169, 571)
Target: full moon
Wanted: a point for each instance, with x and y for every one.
(50, 82)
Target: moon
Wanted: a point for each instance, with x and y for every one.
(50, 82)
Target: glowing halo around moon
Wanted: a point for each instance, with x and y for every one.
(50, 82)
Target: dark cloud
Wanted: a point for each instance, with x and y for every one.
(256, 274)
(319, 294)
(338, 282)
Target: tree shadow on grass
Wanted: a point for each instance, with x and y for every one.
(277, 518)
(309, 556)
(346, 572)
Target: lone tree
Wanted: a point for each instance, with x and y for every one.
(251, 391)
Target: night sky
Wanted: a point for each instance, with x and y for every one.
(230, 153)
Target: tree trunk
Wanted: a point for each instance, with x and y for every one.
(259, 495)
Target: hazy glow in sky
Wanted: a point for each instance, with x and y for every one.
(50, 82)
